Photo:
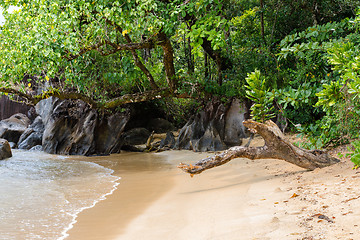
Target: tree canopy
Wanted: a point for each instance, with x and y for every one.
(295, 60)
(92, 48)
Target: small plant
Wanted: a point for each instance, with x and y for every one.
(355, 156)
(262, 109)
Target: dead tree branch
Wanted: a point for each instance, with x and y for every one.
(276, 147)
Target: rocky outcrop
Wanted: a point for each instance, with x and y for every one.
(135, 136)
(33, 135)
(160, 125)
(69, 129)
(73, 128)
(234, 128)
(215, 128)
(5, 150)
(168, 141)
(108, 133)
(37, 148)
(13, 127)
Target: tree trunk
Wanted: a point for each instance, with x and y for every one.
(168, 60)
(222, 63)
(276, 147)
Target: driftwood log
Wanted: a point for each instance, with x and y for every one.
(276, 147)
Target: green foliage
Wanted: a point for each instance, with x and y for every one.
(355, 155)
(248, 27)
(258, 92)
(320, 74)
(339, 99)
(37, 38)
(309, 60)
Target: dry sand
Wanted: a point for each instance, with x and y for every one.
(262, 199)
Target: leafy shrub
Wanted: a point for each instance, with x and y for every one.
(263, 108)
(355, 156)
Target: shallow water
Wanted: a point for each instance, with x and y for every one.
(41, 194)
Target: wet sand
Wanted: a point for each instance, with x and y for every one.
(262, 199)
(141, 183)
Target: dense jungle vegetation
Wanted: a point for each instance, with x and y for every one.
(297, 60)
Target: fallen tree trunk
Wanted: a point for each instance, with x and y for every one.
(276, 147)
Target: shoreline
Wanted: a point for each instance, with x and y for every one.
(243, 199)
(169, 196)
(109, 217)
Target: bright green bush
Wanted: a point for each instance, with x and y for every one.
(259, 93)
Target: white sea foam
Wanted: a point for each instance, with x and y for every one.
(41, 195)
(75, 215)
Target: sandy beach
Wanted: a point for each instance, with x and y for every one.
(262, 199)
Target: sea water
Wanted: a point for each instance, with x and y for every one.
(42, 194)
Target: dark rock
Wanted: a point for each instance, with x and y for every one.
(160, 125)
(37, 148)
(215, 128)
(5, 150)
(35, 138)
(33, 135)
(206, 126)
(72, 127)
(131, 148)
(69, 129)
(45, 108)
(142, 113)
(25, 134)
(169, 141)
(38, 125)
(210, 141)
(108, 132)
(135, 136)
(12, 128)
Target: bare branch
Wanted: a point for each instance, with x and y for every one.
(142, 97)
(110, 104)
(168, 60)
(138, 63)
(276, 147)
(33, 100)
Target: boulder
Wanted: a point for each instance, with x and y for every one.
(215, 128)
(108, 133)
(69, 129)
(12, 128)
(45, 107)
(37, 148)
(5, 150)
(234, 128)
(35, 138)
(135, 136)
(33, 135)
(205, 130)
(168, 141)
(160, 125)
(210, 141)
(38, 125)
